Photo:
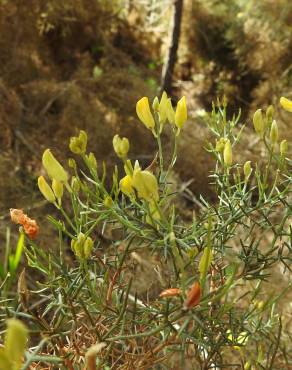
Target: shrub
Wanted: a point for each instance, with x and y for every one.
(131, 284)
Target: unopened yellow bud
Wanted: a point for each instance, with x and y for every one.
(283, 147)
(108, 202)
(121, 146)
(92, 160)
(170, 112)
(286, 104)
(46, 190)
(274, 133)
(75, 184)
(247, 170)
(126, 185)
(227, 154)
(77, 245)
(87, 247)
(163, 106)
(78, 144)
(144, 113)
(72, 163)
(247, 365)
(146, 185)
(270, 112)
(58, 189)
(15, 342)
(181, 113)
(54, 169)
(220, 144)
(155, 104)
(258, 122)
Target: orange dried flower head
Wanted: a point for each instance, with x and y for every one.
(171, 292)
(193, 296)
(17, 216)
(29, 225)
(31, 228)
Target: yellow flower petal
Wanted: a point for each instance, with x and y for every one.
(286, 104)
(144, 113)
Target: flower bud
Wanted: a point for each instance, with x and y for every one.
(54, 169)
(220, 144)
(274, 133)
(247, 170)
(163, 106)
(108, 202)
(155, 104)
(77, 245)
(78, 144)
(144, 113)
(181, 113)
(15, 342)
(258, 122)
(92, 160)
(75, 184)
(121, 146)
(72, 163)
(286, 104)
(247, 365)
(146, 185)
(227, 154)
(87, 247)
(270, 112)
(283, 147)
(46, 190)
(58, 189)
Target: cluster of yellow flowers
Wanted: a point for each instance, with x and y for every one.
(262, 124)
(165, 112)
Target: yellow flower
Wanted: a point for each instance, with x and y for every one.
(181, 113)
(121, 146)
(242, 338)
(144, 113)
(126, 185)
(46, 189)
(286, 104)
(227, 154)
(146, 185)
(78, 144)
(54, 169)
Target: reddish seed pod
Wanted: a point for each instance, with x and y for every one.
(171, 292)
(193, 296)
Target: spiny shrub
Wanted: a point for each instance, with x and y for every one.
(207, 304)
